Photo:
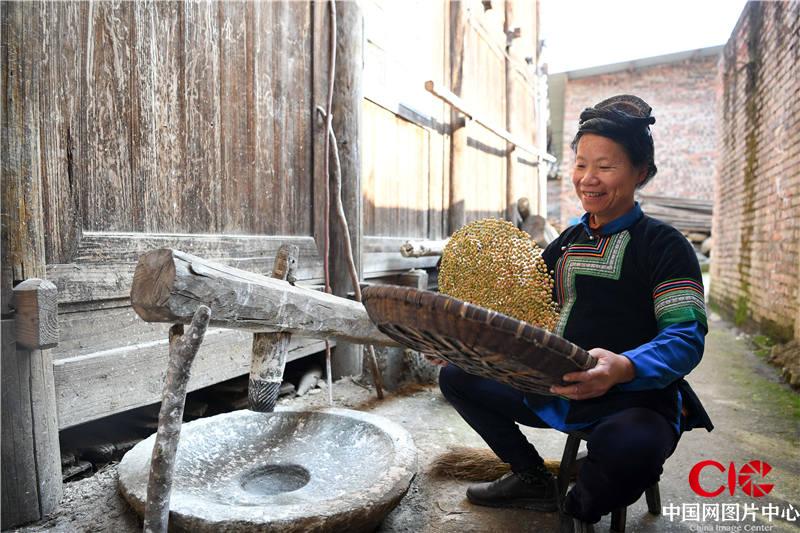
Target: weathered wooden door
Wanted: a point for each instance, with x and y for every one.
(161, 124)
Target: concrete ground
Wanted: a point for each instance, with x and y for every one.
(756, 417)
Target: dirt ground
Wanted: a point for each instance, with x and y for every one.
(757, 417)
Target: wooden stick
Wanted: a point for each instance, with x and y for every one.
(269, 349)
(182, 351)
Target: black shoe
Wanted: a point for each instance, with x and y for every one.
(534, 490)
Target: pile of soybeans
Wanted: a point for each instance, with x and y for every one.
(495, 265)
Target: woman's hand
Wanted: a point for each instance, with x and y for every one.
(611, 369)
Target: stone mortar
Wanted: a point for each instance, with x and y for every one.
(236, 471)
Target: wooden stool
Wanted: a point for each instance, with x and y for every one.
(571, 461)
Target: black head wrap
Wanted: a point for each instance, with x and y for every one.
(625, 119)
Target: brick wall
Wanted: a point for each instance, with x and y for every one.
(755, 261)
(682, 95)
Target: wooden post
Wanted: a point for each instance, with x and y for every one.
(31, 459)
(509, 111)
(457, 214)
(391, 360)
(269, 349)
(23, 225)
(182, 351)
(347, 101)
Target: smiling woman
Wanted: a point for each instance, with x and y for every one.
(630, 292)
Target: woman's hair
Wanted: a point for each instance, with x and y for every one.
(625, 119)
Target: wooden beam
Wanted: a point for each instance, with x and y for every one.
(347, 102)
(457, 24)
(508, 83)
(462, 107)
(423, 248)
(168, 285)
(103, 383)
(36, 313)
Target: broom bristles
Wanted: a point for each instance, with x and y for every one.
(475, 464)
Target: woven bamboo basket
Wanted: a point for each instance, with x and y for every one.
(478, 340)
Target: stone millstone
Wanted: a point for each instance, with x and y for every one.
(287, 471)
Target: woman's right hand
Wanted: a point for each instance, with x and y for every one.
(435, 360)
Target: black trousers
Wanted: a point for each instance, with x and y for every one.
(626, 451)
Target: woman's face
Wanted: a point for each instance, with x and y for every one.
(604, 177)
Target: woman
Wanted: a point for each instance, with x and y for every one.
(631, 292)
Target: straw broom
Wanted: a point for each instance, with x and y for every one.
(476, 464)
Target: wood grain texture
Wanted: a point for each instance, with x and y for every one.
(320, 24)
(108, 193)
(182, 351)
(283, 113)
(86, 332)
(458, 133)
(347, 107)
(20, 497)
(45, 431)
(164, 117)
(510, 110)
(36, 306)
(169, 284)
(438, 157)
(61, 107)
(117, 379)
(22, 237)
(89, 278)
(270, 349)
(158, 150)
(31, 461)
(201, 203)
(395, 175)
(237, 115)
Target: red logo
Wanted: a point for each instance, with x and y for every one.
(745, 478)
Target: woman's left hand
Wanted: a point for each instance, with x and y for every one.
(611, 369)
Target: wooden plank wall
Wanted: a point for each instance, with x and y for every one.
(484, 89)
(190, 124)
(184, 124)
(406, 143)
(403, 131)
(174, 117)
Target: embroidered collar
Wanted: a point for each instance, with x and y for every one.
(615, 226)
